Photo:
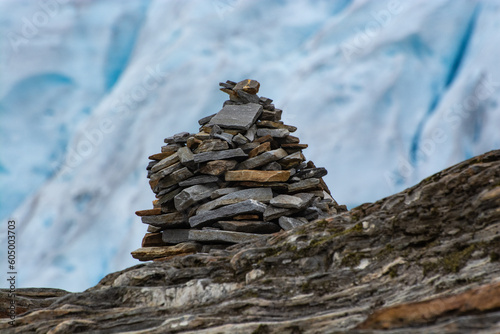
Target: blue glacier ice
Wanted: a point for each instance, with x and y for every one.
(384, 92)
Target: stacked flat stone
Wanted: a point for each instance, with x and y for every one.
(241, 177)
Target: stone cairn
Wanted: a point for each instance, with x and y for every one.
(241, 177)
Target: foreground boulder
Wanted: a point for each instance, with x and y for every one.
(425, 260)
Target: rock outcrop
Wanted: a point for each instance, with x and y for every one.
(241, 177)
(425, 260)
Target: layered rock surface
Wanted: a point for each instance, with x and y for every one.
(243, 165)
(425, 260)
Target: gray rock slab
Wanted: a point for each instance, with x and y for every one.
(287, 201)
(223, 236)
(249, 146)
(219, 155)
(166, 190)
(308, 173)
(292, 160)
(223, 191)
(174, 178)
(169, 196)
(246, 207)
(193, 194)
(240, 139)
(272, 166)
(200, 179)
(275, 133)
(248, 226)
(186, 157)
(240, 117)
(246, 97)
(168, 161)
(263, 195)
(251, 133)
(181, 137)
(206, 119)
(288, 223)
(225, 136)
(165, 171)
(212, 145)
(262, 159)
(168, 220)
(273, 212)
(175, 236)
(304, 185)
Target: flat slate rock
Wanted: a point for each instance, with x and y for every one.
(165, 172)
(200, 179)
(246, 207)
(223, 191)
(149, 212)
(308, 173)
(275, 133)
(217, 167)
(175, 236)
(174, 178)
(263, 159)
(248, 226)
(212, 145)
(186, 157)
(288, 223)
(287, 201)
(193, 194)
(273, 212)
(223, 236)
(240, 117)
(168, 220)
(304, 185)
(151, 253)
(168, 161)
(218, 155)
(263, 195)
(258, 175)
(152, 240)
(292, 160)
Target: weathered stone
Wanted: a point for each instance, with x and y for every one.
(263, 195)
(270, 139)
(186, 157)
(170, 148)
(247, 217)
(275, 186)
(206, 119)
(248, 226)
(200, 179)
(272, 166)
(270, 107)
(262, 159)
(202, 136)
(248, 86)
(311, 173)
(292, 160)
(180, 137)
(168, 196)
(248, 147)
(175, 236)
(227, 85)
(161, 156)
(289, 202)
(257, 175)
(151, 164)
(193, 143)
(164, 172)
(276, 125)
(150, 212)
(304, 185)
(245, 207)
(275, 133)
(153, 229)
(292, 148)
(274, 115)
(193, 194)
(175, 177)
(265, 101)
(150, 253)
(219, 155)
(168, 161)
(152, 240)
(289, 140)
(251, 133)
(223, 236)
(165, 191)
(168, 220)
(288, 223)
(264, 147)
(246, 97)
(217, 167)
(223, 191)
(212, 145)
(240, 139)
(237, 117)
(273, 212)
(227, 137)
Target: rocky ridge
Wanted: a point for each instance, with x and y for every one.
(242, 176)
(425, 260)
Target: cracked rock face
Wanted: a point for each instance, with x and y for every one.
(425, 260)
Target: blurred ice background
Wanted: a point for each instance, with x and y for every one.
(384, 92)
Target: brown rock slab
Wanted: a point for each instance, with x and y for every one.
(276, 125)
(292, 148)
(248, 86)
(223, 236)
(148, 212)
(246, 217)
(160, 156)
(212, 145)
(248, 226)
(274, 115)
(292, 160)
(168, 161)
(152, 240)
(258, 175)
(264, 147)
(168, 220)
(217, 167)
(150, 253)
(289, 140)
